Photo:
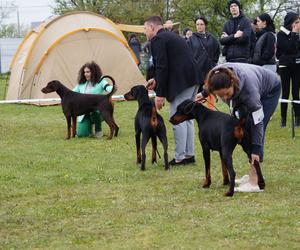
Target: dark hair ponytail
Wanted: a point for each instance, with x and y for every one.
(221, 78)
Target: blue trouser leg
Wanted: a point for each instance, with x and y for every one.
(269, 105)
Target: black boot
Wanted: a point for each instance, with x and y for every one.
(283, 122)
(297, 121)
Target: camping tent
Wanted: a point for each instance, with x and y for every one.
(57, 49)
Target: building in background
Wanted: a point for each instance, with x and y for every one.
(8, 48)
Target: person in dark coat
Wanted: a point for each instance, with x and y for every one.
(265, 46)
(135, 45)
(176, 79)
(205, 47)
(187, 33)
(236, 35)
(288, 53)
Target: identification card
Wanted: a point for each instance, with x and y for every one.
(258, 116)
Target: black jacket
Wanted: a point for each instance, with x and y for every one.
(206, 51)
(288, 48)
(237, 49)
(265, 47)
(175, 67)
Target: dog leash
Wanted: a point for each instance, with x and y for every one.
(212, 104)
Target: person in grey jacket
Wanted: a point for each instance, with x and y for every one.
(255, 87)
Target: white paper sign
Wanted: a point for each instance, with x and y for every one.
(258, 116)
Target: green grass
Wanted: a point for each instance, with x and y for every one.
(89, 193)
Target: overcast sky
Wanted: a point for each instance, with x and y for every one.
(30, 11)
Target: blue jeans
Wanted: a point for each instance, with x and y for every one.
(269, 104)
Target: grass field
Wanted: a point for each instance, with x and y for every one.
(90, 194)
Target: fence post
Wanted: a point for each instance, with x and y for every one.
(293, 120)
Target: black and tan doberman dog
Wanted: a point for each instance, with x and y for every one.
(220, 132)
(75, 104)
(148, 123)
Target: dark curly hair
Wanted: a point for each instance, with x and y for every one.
(96, 73)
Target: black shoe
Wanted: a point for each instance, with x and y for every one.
(190, 160)
(174, 163)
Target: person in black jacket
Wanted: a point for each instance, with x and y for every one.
(236, 35)
(135, 45)
(176, 79)
(265, 46)
(288, 53)
(205, 47)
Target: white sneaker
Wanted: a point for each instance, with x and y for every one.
(98, 134)
(248, 188)
(244, 179)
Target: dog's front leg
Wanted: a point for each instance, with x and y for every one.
(68, 118)
(74, 123)
(206, 156)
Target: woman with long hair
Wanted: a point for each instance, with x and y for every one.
(89, 77)
(255, 88)
(265, 45)
(205, 47)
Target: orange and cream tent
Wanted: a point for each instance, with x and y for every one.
(57, 49)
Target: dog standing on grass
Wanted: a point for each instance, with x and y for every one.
(75, 104)
(148, 123)
(220, 132)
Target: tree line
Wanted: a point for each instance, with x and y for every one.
(183, 11)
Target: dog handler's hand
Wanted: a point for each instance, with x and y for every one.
(254, 158)
(151, 84)
(199, 98)
(159, 102)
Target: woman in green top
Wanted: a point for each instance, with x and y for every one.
(89, 83)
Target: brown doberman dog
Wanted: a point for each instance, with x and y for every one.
(220, 132)
(75, 104)
(148, 123)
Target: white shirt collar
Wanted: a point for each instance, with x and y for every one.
(286, 31)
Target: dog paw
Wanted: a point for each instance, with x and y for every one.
(261, 185)
(206, 183)
(229, 193)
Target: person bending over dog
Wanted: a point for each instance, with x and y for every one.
(256, 88)
(175, 78)
(88, 83)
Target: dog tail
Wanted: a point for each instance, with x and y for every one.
(154, 121)
(114, 87)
